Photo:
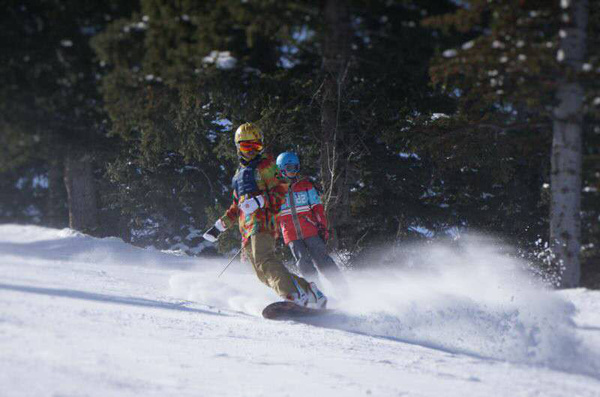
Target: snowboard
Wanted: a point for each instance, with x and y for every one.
(290, 311)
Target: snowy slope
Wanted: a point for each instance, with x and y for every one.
(95, 317)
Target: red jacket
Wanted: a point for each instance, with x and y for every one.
(309, 211)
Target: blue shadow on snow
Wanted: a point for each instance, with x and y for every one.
(91, 296)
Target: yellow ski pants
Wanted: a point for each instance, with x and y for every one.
(260, 250)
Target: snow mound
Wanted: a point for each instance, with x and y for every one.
(47, 244)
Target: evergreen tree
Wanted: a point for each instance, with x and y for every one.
(181, 76)
(505, 80)
(50, 106)
(195, 72)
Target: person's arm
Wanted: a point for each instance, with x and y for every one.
(314, 200)
(276, 188)
(223, 223)
(231, 216)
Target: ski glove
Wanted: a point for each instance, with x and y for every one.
(214, 232)
(251, 204)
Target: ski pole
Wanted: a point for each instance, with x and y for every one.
(231, 261)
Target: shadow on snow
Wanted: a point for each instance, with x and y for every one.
(91, 296)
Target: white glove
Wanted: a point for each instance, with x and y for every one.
(213, 233)
(251, 204)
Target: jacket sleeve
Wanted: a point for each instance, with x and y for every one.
(314, 200)
(277, 191)
(276, 188)
(230, 217)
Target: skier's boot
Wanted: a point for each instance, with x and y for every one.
(316, 299)
(313, 298)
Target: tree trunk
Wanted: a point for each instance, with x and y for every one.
(81, 192)
(336, 54)
(565, 221)
(56, 214)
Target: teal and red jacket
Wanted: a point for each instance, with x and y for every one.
(309, 211)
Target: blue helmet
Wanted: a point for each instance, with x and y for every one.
(288, 162)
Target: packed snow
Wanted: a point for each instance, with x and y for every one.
(81, 316)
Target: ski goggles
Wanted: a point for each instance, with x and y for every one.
(249, 146)
(291, 168)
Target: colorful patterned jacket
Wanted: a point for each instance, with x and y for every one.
(266, 183)
(309, 211)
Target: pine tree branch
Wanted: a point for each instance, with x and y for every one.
(508, 127)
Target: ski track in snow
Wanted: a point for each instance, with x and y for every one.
(82, 316)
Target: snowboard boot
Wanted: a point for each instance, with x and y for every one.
(313, 298)
(316, 299)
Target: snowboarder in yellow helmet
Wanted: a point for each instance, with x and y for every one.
(258, 195)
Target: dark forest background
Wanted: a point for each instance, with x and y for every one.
(419, 119)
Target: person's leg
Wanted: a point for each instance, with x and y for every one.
(269, 270)
(303, 259)
(327, 266)
(274, 274)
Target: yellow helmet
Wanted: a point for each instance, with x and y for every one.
(248, 132)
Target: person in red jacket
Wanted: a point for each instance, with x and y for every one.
(303, 222)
